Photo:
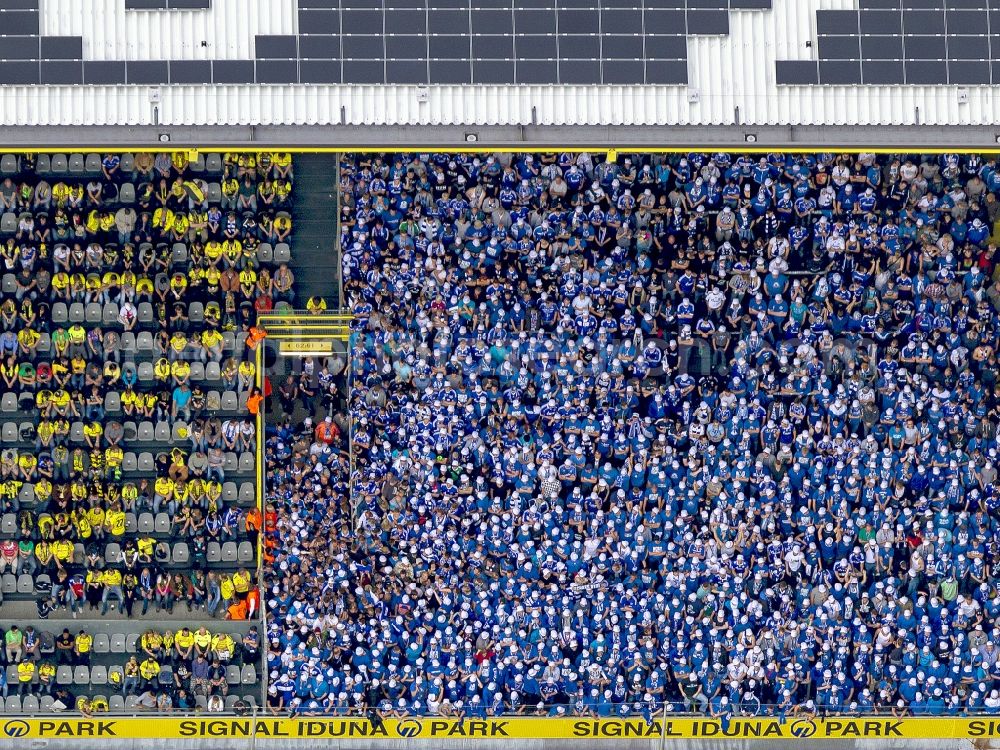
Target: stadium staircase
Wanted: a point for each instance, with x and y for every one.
(315, 214)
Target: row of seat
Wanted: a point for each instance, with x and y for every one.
(31, 704)
(120, 643)
(99, 675)
(142, 523)
(144, 432)
(216, 553)
(165, 553)
(26, 495)
(91, 164)
(280, 253)
(107, 314)
(222, 403)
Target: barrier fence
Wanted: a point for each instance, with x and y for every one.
(261, 727)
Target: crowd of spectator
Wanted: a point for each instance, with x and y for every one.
(698, 432)
(130, 286)
(163, 670)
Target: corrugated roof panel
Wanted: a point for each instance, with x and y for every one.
(731, 77)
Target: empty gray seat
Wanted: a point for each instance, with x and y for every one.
(146, 432)
(77, 313)
(144, 312)
(196, 312)
(8, 433)
(214, 193)
(94, 313)
(146, 463)
(233, 676)
(231, 462)
(60, 313)
(248, 495)
(147, 523)
(213, 371)
(181, 553)
(113, 553)
(8, 402)
(8, 524)
(265, 253)
(282, 253)
(43, 164)
(110, 314)
(129, 462)
(128, 342)
(8, 584)
(131, 642)
(25, 584)
(99, 675)
(144, 341)
(213, 552)
(45, 703)
(161, 524)
(29, 704)
(81, 675)
(118, 643)
(145, 372)
(247, 462)
(113, 402)
(179, 253)
(9, 283)
(131, 523)
(230, 492)
(230, 553)
(249, 674)
(92, 164)
(161, 432)
(8, 164)
(213, 163)
(60, 164)
(245, 553)
(127, 163)
(126, 193)
(197, 372)
(230, 401)
(116, 703)
(8, 223)
(102, 643)
(12, 704)
(77, 163)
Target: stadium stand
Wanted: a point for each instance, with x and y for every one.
(129, 284)
(707, 432)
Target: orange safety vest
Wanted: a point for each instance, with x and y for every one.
(255, 335)
(253, 520)
(254, 402)
(237, 610)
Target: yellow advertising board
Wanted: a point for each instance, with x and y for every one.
(155, 727)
